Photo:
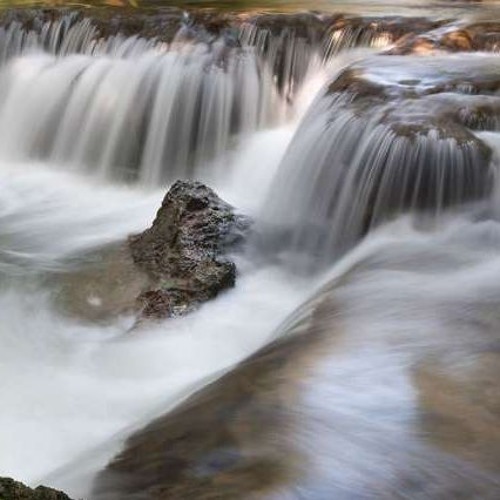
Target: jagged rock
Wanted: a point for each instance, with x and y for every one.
(169, 269)
(183, 250)
(13, 490)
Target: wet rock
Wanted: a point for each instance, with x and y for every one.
(183, 250)
(300, 415)
(454, 37)
(366, 31)
(461, 407)
(13, 490)
(168, 270)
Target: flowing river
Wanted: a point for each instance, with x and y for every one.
(93, 131)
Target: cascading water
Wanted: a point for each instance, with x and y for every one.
(180, 104)
(391, 147)
(174, 111)
(78, 105)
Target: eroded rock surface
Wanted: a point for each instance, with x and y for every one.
(169, 269)
(13, 490)
(183, 249)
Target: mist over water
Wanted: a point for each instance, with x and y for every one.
(83, 166)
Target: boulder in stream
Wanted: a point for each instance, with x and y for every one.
(169, 269)
(182, 252)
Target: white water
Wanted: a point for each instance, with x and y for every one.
(155, 117)
(75, 390)
(402, 300)
(129, 108)
(341, 154)
(73, 385)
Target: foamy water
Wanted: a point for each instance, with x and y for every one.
(74, 390)
(73, 385)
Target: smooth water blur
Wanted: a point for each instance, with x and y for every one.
(82, 383)
(83, 166)
(84, 387)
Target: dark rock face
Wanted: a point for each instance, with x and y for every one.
(167, 270)
(182, 251)
(13, 490)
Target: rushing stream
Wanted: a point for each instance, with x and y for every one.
(94, 129)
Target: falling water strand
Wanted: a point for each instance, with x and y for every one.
(181, 104)
(345, 174)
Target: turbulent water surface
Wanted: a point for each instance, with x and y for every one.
(93, 130)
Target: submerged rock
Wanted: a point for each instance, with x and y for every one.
(105, 287)
(13, 490)
(355, 400)
(183, 250)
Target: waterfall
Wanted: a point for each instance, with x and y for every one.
(294, 121)
(147, 109)
(154, 116)
(128, 107)
(363, 156)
